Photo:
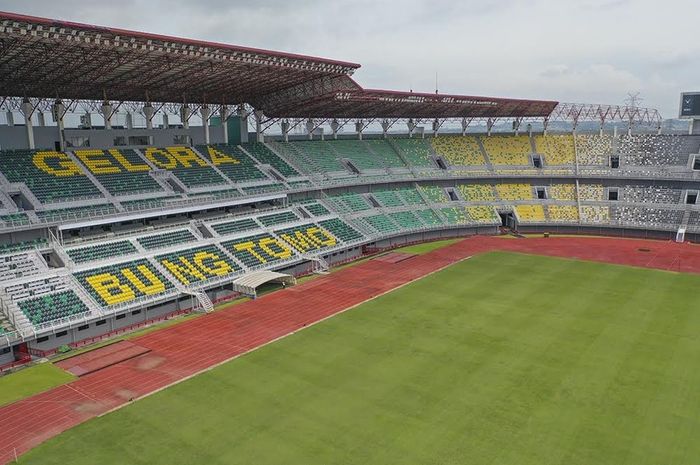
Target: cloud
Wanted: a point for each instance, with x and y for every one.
(566, 50)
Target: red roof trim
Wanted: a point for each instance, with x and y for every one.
(146, 35)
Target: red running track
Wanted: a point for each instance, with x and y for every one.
(188, 348)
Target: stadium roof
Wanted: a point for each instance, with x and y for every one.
(42, 57)
(374, 103)
(46, 58)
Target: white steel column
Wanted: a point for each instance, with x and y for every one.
(107, 114)
(224, 121)
(58, 111)
(185, 113)
(335, 125)
(411, 127)
(310, 128)
(359, 125)
(204, 111)
(148, 112)
(27, 110)
(258, 123)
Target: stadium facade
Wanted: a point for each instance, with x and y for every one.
(294, 168)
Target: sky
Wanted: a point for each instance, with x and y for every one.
(592, 51)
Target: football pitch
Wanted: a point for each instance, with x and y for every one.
(500, 359)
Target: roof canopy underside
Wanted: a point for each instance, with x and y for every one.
(45, 58)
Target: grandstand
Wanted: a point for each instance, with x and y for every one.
(124, 225)
(238, 168)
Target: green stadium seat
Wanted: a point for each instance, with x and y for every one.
(120, 171)
(351, 202)
(385, 152)
(357, 152)
(382, 223)
(259, 250)
(266, 156)
(51, 176)
(233, 162)
(52, 307)
(406, 220)
(435, 194)
(232, 227)
(415, 150)
(341, 230)
(166, 239)
(124, 282)
(278, 218)
(185, 164)
(198, 264)
(315, 208)
(429, 217)
(388, 198)
(101, 251)
(76, 213)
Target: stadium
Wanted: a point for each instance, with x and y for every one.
(254, 259)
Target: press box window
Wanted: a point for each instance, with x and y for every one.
(613, 194)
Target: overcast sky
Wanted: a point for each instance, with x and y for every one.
(593, 51)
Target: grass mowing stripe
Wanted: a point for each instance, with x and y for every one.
(503, 358)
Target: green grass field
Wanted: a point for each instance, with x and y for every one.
(500, 359)
(30, 381)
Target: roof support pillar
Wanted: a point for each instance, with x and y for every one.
(185, 113)
(310, 128)
(41, 119)
(149, 112)
(489, 125)
(545, 125)
(223, 113)
(516, 125)
(411, 127)
(86, 120)
(260, 136)
(166, 120)
(10, 118)
(385, 127)
(437, 124)
(27, 110)
(129, 120)
(243, 124)
(465, 124)
(107, 111)
(58, 111)
(335, 125)
(359, 126)
(284, 126)
(204, 111)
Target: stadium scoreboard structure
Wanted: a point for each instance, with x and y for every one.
(690, 105)
(690, 109)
